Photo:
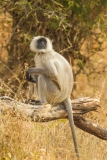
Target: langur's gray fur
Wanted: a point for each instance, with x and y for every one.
(55, 77)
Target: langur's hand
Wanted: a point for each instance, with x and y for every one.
(28, 76)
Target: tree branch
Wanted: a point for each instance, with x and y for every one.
(45, 113)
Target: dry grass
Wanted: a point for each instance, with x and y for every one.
(21, 140)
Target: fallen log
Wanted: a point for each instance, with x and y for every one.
(47, 112)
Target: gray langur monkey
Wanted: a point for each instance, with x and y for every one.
(54, 78)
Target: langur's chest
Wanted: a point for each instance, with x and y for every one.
(40, 61)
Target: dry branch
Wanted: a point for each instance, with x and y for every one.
(45, 113)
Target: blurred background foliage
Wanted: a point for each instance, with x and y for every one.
(69, 23)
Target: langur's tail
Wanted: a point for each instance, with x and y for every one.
(68, 106)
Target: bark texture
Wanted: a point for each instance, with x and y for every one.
(47, 112)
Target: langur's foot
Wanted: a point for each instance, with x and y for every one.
(33, 102)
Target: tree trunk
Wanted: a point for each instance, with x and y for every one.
(45, 113)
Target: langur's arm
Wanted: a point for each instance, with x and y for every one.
(37, 71)
(50, 73)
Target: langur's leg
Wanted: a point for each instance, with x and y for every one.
(41, 89)
(33, 89)
(33, 80)
(32, 86)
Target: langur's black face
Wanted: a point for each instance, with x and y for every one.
(41, 43)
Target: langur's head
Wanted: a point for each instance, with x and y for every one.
(41, 44)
